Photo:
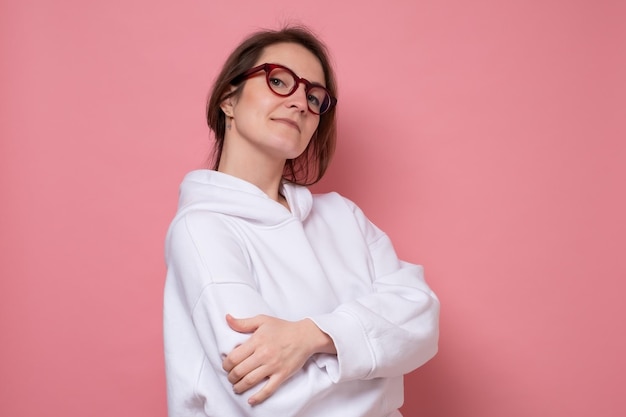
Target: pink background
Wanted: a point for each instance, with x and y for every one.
(486, 137)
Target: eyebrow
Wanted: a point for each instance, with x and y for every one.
(298, 75)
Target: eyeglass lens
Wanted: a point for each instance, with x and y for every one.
(283, 83)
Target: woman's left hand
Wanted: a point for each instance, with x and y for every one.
(276, 350)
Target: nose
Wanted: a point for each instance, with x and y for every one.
(298, 99)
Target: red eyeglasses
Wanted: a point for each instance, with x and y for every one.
(284, 82)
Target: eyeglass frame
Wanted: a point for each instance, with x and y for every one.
(308, 85)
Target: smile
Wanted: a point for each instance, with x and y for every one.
(288, 122)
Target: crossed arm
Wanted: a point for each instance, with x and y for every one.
(385, 333)
(275, 350)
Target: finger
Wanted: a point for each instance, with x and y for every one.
(237, 356)
(268, 389)
(245, 325)
(237, 373)
(244, 368)
(250, 380)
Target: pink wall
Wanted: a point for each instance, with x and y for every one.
(486, 137)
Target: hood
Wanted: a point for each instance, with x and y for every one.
(216, 192)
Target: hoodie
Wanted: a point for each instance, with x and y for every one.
(233, 250)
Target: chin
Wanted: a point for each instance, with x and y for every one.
(288, 148)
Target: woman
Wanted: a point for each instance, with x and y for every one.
(277, 302)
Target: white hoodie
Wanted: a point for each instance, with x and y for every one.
(232, 249)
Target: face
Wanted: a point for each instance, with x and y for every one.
(274, 126)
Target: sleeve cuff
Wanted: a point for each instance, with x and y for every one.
(355, 358)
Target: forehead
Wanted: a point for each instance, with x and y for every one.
(295, 57)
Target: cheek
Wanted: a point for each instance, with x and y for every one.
(255, 100)
(311, 125)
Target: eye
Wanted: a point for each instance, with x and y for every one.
(276, 82)
(314, 101)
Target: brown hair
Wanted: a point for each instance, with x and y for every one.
(310, 166)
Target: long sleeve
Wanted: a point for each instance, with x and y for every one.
(209, 277)
(390, 331)
(231, 250)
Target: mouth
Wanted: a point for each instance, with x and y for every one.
(288, 122)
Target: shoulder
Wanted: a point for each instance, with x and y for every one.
(198, 223)
(202, 232)
(336, 202)
(342, 209)
(332, 199)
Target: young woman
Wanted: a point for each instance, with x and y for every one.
(278, 302)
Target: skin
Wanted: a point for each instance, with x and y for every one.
(266, 130)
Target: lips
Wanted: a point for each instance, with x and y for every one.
(288, 122)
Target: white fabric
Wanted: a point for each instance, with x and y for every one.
(232, 249)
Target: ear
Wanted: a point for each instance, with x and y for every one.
(228, 103)
(227, 107)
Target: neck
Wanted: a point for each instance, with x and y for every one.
(264, 172)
